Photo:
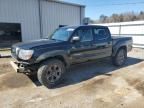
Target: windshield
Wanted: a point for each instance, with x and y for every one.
(62, 34)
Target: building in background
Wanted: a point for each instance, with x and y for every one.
(23, 20)
(134, 29)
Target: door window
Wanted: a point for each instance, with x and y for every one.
(84, 34)
(101, 34)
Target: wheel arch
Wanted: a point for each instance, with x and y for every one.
(116, 49)
(54, 55)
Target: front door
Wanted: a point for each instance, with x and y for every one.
(81, 50)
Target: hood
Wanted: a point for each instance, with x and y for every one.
(37, 43)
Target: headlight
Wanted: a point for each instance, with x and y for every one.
(25, 54)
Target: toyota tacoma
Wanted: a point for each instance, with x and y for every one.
(50, 57)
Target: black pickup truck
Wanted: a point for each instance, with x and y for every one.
(50, 57)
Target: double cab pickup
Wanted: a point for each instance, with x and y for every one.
(49, 58)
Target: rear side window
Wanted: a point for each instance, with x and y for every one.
(101, 33)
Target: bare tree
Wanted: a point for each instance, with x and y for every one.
(103, 18)
(141, 16)
(127, 16)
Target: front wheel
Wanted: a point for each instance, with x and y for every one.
(50, 73)
(120, 57)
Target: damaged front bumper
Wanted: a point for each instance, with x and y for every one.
(20, 68)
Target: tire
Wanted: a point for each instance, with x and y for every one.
(50, 73)
(120, 57)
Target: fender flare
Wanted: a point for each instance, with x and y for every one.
(53, 54)
(118, 46)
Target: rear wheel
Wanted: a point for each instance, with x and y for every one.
(120, 57)
(50, 73)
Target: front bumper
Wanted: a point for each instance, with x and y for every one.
(19, 68)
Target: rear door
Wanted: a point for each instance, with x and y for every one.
(81, 51)
(102, 42)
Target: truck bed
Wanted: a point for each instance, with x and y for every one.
(123, 39)
(120, 37)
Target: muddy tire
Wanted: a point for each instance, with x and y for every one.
(120, 57)
(51, 72)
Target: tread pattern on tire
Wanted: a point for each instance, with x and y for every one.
(41, 73)
(115, 57)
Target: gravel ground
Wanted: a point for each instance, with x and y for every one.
(89, 85)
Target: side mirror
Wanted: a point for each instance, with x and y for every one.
(75, 39)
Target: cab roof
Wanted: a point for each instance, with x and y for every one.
(74, 27)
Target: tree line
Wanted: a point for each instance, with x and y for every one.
(123, 17)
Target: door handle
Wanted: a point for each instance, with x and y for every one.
(109, 42)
